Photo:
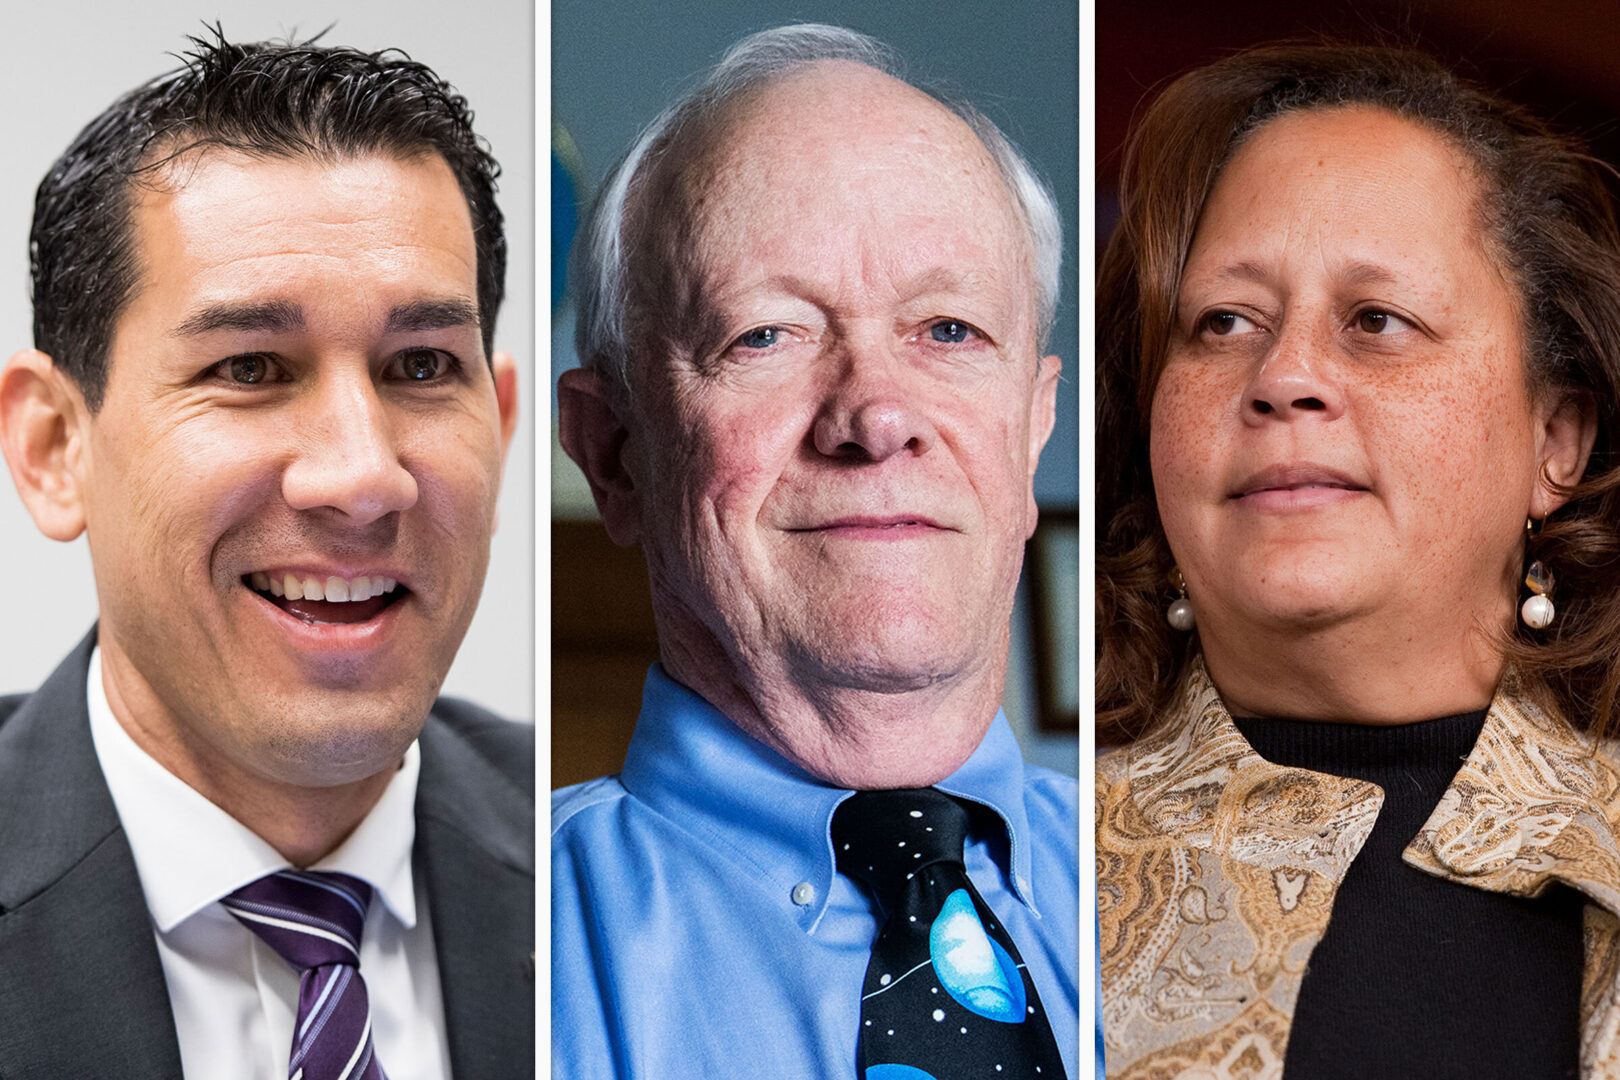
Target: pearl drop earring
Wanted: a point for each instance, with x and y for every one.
(1537, 610)
(1180, 614)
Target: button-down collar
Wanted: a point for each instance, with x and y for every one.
(687, 763)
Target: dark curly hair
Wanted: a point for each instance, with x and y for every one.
(1550, 221)
(277, 99)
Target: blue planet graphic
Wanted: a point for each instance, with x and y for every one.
(896, 1072)
(972, 968)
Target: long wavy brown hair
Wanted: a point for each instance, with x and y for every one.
(1550, 222)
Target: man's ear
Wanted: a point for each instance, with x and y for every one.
(1042, 418)
(1566, 443)
(593, 431)
(504, 369)
(42, 432)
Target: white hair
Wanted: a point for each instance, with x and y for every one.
(601, 263)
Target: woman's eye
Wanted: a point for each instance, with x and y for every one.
(1223, 323)
(1380, 322)
(762, 337)
(950, 331)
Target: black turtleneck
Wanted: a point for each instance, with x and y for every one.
(1417, 976)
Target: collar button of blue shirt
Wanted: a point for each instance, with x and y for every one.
(803, 893)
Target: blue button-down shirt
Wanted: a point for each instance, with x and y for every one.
(700, 929)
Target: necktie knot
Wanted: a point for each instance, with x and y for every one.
(309, 918)
(884, 837)
(313, 920)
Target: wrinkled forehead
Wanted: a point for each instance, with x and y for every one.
(831, 155)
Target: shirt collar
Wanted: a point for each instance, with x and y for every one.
(190, 853)
(693, 766)
(1197, 779)
(1534, 801)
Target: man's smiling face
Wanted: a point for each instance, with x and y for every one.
(298, 413)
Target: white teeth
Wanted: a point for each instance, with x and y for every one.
(334, 590)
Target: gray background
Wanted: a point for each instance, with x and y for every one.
(614, 65)
(64, 63)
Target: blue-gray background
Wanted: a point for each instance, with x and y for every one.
(614, 65)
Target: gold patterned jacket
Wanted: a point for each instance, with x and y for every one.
(1216, 874)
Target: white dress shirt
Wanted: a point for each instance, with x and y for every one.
(234, 999)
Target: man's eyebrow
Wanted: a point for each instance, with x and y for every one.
(422, 315)
(282, 316)
(272, 316)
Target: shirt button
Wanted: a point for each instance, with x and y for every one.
(803, 893)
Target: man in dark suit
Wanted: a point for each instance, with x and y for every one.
(238, 835)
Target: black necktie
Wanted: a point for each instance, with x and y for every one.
(946, 995)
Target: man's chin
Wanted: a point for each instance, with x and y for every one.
(909, 665)
(328, 750)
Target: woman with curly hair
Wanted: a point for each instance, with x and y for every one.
(1358, 393)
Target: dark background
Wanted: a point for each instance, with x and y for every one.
(1561, 59)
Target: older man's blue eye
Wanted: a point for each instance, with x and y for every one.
(950, 331)
(762, 338)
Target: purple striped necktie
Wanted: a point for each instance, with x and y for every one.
(313, 920)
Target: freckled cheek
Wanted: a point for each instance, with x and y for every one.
(1452, 439)
(1182, 437)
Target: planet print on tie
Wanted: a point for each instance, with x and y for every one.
(945, 995)
(971, 967)
(896, 1072)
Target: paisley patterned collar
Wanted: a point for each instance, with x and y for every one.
(1532, 803)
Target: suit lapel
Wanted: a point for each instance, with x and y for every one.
(477, 858)
(81, 986)
(82, 991)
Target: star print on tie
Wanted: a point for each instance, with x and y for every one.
(946, 995)
(313, 920)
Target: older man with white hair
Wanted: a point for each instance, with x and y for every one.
(815, 299)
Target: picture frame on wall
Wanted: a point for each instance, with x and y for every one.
(1052, 563)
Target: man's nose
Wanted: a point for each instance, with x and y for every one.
(872, 411)
(347, 456)
(1294, 380)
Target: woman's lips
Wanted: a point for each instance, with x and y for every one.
(1296, 486)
